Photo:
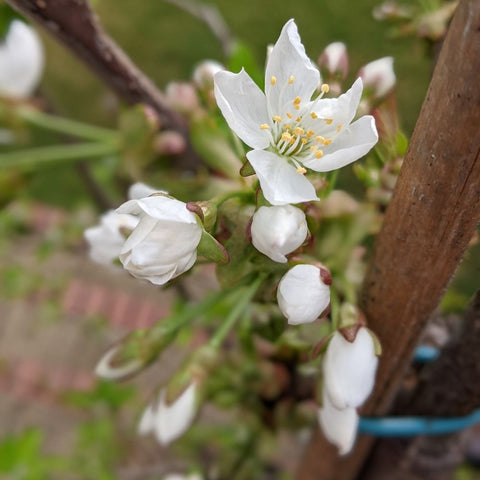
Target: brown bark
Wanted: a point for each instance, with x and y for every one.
(449, 387)
(430, 220)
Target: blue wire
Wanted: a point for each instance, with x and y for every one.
(411, 426)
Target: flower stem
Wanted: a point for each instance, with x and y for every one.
(66, 126)
(227, 196)
(236, 312)
(33, 158)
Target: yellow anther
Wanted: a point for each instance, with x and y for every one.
(297, 100)
(297, 107)
(291, 79)
(273, 80)
(314, 115)
(289, 115)
(319, 139)
(339, 127)
(287, 127)
(298, 131)
(264, 126)
(298, 119)
(310, 133)
(313, 148)
(319, 154)
(301, 170)
(277, 118)
(328, 121)
(328, 141)
(292, 141)
(286, 136)
(304, 141)
(325, 88)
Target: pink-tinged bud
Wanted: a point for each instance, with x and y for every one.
(279, 230)
(170, 143)
(349, 369)
(302, 295)
(204, 72)
(182, 97)
(378, 76)
(338, 425)
(335, 59)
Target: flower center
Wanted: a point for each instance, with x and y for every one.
(295, 134)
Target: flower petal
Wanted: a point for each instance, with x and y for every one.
(280, 181)
(244, 107)
(353, 143)
(338, 426)
(288, 59)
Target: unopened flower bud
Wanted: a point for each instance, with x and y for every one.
(335, 59)
(204, 72)
(338, 425)
(378, 76)
(182, 97)
(172, 414)
(178, 476)
(170, 143)
(164, 243)
(349, 369)
(279, 230)
(21, 61)
(302, 295)
(111, 368)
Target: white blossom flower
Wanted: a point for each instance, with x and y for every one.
(379, 76)
(106, 239)
(164, 243)
(338, 425)
(141, 190)
(289, 132)
(170, 421)
(277, 231)
(178, 476)
(335, 58)
(349, 369)
(21, 61)
(302, 295)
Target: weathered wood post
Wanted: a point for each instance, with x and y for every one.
(431, 218)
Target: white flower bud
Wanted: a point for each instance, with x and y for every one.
(378, 76)
(21, 61)
(204, 72)
(338, 425)
(164, 243)
(141, 190)
(302, 296)
(107, 369)
(170, 421)
(278, 231)
(349, 369)
(335, 59)
(182, 97)
(106, 239)
(178, 476)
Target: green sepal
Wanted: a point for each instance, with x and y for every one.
(376, 343)
(210, 248)
(247, 169)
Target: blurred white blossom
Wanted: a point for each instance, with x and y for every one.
(378, 76)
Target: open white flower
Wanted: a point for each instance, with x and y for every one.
(164, 243)
(289, 132)
(106, 239)
(349, 369)
(338, 425)
(302, 295)
(170, 421)
(21, 61)
(278, 231)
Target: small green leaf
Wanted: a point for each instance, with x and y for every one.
(242, 57)
(247, 169)
(211, 249)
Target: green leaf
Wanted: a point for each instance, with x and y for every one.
(212, 249)
(242, 57)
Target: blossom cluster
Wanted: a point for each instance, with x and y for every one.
(295, 131)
